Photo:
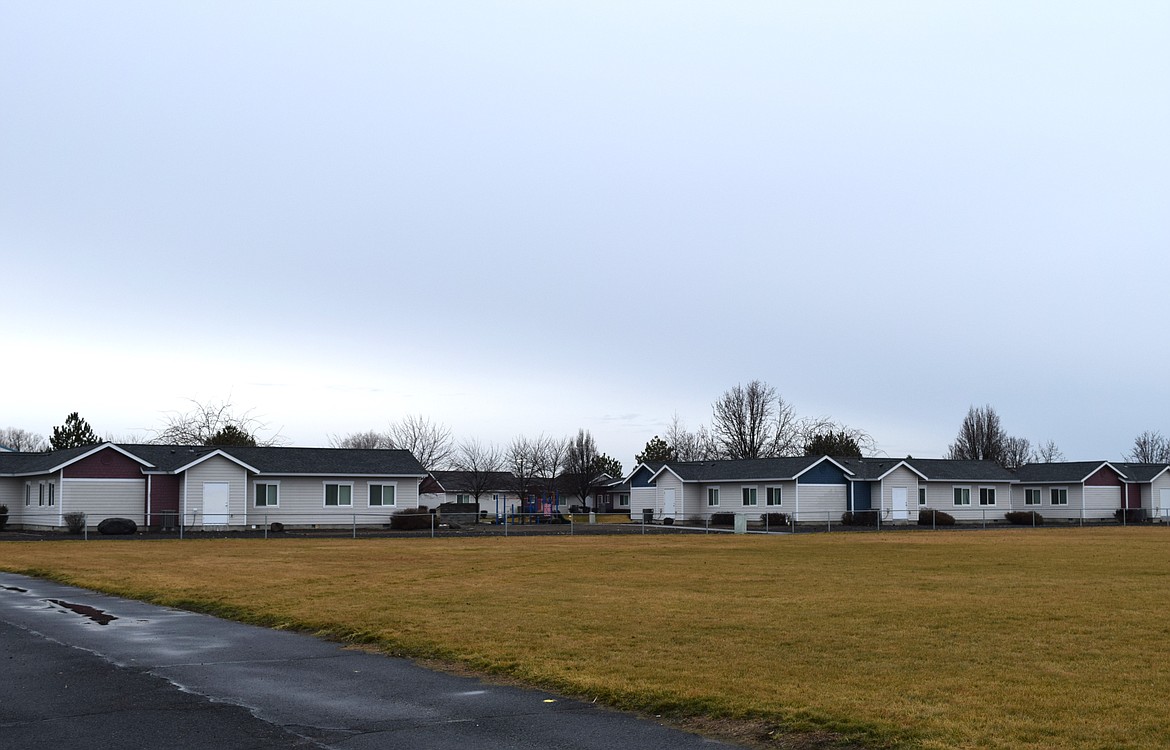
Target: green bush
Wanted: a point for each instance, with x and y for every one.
(75, 522)
(1024, 518)
(928, 517)
(411, 519)
(860, 518)
(722, 519)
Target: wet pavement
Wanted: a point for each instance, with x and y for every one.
(77, 667)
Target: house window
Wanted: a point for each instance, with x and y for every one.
(712, 497)
(922, 496)
(52, 494)
(1032, 496)
(773, 496)
(962, 496)
(339, 495)
(1058, 496)
(28, 494)
(41, 493)
(623, 500)
(987, 496)
(463, 499)
(267, 493)
(382, 495)
(749, 496)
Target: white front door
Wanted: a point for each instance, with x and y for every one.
(215, 503)
(668, 503)
(899, 504)
(1163, 503)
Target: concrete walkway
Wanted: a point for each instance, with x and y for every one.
(79, 667)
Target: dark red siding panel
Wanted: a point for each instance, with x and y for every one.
(1105, 477)
(105, 464)
(164, 500)
(1133, 495)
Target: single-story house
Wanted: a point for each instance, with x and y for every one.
(1076, 489)
(497, 490)
(209, 487)
(900, 488)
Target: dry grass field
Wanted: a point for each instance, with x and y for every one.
(999, 639)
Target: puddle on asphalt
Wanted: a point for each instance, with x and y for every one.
(17, 589)
(93, 613)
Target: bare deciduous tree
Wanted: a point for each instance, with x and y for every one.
(429, 442)
(20, 439)
(687, 445)
(521, 459)
(981, 437)
(480, 464)
(367, 439)
(581, 464)
(742, 420)
(1047, 452)
(1150, 447)
(551, 453)
(1017, 451)
(206, 420)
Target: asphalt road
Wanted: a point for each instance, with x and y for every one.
(83, 669)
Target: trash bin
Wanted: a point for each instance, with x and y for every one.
(647, 515)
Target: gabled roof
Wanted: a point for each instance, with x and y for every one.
(946, 469)
(464, 481)
(1143, 472)
(750, 469)
(1067, 471)
(23, 464)
(873, 469)
(283, 460)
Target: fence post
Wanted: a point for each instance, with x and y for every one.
(432, 515)
(933, 519)
(707, 525)
(265, 525)
(570, 524)
(643, 524)
(505, 519)
(354, 517)
(984, 512)
(1124, 513)
(879, 518)
(182, 521)
(1033, 519)
(85, 525)
(829, 521)
(767, 523)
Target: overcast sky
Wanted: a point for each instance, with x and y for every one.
(528, 217)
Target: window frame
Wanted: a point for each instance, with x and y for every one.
(28, 494)
(325, 494)
(922, 497)
(40, 494)
(1052, 494)
(382, 499)
(750, 495)
(987, 497)
(961, 496)
(712, 493)
(52, 494)
(773, 492)
(256, 500)
(623, 500)
(1037, 493)
(463, 498)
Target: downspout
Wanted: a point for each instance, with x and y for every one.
(148, 491)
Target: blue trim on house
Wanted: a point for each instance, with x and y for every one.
(861, 496)
(823, 473)
(641, 478)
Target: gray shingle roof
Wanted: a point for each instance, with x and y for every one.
(945, 469)
(1067, 471)
(751, 468)
(1142, 472)
(39, 463)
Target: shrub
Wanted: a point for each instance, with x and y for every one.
(722, 519)
(775, 520)
(411, 519)
(3, 516)
(276, 527)
(1024, 518)
(860, 518)
(1129, 515)
(928, 517)
(75, 522)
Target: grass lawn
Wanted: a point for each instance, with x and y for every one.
(1050, 638)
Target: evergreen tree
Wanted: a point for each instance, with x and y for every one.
(656, 451)
(606, 464)
(75, 433)
(838, 444)
(231, 434)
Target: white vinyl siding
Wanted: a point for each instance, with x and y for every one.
(301, 501)
(899, 477)
(818, 502)
(214, 470)
(100, 499)
(1102, 502)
